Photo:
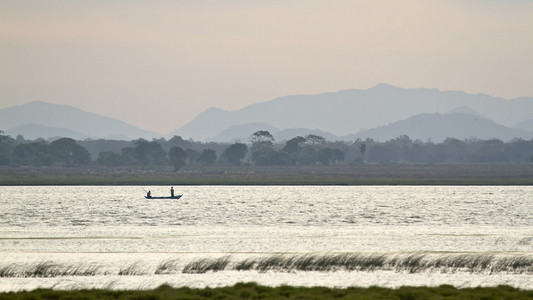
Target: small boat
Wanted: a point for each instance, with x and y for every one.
(169, 197)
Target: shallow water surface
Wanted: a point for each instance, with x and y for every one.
(111, 236)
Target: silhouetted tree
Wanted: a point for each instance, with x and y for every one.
(381, 153)
(20, 139)
(109, 159)
(67, 152)
(177, 156)
(338, 155)
(128, 156)
(262, 143)
(192, 155)
(417, 153)
(100, 145)
(314, 140)
(264, 156)
(325, 155)
(261, 139)
(235, 153)
(518, 150)
(6, 146)
(308, 156)
(328, 156)
(208, 156)
(149, 153)
(177, 141)
(31, 154)
(362, 149)
(294, 145)
(452, 150)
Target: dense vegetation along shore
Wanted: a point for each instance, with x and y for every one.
(262, 150)
(254, 291)
(309, 160)
(363, 174)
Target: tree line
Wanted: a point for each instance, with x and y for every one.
(261, 150)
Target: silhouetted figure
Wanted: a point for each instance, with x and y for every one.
(149, 194)
(171, 191)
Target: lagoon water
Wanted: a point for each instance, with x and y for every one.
(70, 237)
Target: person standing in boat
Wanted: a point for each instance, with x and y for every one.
(171, 191)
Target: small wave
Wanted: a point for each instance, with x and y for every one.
(413, 262)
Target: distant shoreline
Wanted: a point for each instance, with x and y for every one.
(367, 174)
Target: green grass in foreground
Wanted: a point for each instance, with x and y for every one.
(254, 291)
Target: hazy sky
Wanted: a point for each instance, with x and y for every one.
(157, 64)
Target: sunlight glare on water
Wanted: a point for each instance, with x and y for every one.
(116, 228)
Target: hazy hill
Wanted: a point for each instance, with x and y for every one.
(287, 134)
(525, 125)
(33, 131)
(348, 112)
(465, 110)
(242, 133)
(438, 127)
(41, 119)
(339, 115)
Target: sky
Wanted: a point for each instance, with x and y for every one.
(158, 64)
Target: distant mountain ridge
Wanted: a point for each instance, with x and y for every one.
(381, 112)
(242, 133)
(348, 112)
(34, 131)
(525, 125)
(437, 127)
(47, 120)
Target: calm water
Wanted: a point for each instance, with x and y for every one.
(112, 237)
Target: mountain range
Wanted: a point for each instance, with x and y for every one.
(351, 111)
(381, 112)
(46, 120)
(437, 127)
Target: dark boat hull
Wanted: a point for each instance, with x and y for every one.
(169, 197)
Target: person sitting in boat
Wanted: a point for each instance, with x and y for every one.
(149, 194)
(171, 191)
